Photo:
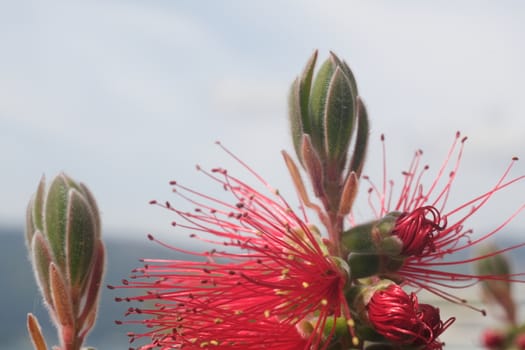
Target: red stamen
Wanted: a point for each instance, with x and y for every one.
(401, 319)
(431, 232)
(267, 274)
(417, 230)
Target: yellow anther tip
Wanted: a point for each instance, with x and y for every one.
(355, 341)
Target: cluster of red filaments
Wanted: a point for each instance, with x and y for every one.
(267, 282)
(429, 231)
(417, 229)
(401, 319)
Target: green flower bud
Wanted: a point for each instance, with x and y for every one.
(327, 119)
(63, 235)
(496, 265)
(68, 221)
(327, 109)
(498, 291)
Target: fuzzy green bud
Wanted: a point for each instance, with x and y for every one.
(496, 290)
(326, 108)
(63, 236)
(327, 119)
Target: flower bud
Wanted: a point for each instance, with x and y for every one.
(497, 290)
(401, 319)
(493, 339)
(381, 246)
(327, 108)
(63, 232)
(327, 119)
(520, 341)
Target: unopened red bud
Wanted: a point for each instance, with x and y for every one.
(520, 341)
(493, 339)
(400, 318)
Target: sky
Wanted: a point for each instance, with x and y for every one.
(127, 95)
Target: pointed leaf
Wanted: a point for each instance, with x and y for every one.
(34, 213)
(80, 237)
(339, 116)
(295, 116)
(317, 103)
(305, 84)
(361, 142)
(94, 208)
(30, 225)
(298, 182)
(351, 185)
(41, 257)
(38, 205)
(313, 166)
(56, 217)
(35, 332)
(70, 182)
(348, 72)
(298, 105)
(92, 292)
(60, 295)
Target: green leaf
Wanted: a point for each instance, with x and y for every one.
(298, 105)
(339, 118)
(56, 217)
(38, 205)
(34, 213)
(94, 208)
(317, 103)
(348, 72)
(80, 237)
(305, 85)
(88, 315)
(295, 117)
(361, 142)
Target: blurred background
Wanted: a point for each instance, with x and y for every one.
(126, 95)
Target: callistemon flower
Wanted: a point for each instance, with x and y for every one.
(401, 319)
(415, 232)
(267, 282)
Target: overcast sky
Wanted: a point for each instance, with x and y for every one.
(127, 95)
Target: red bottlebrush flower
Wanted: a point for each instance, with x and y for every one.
(400, 318)
(268, 281)
(429, 231)
(416, 230)
(520, 341)
(493, 339)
